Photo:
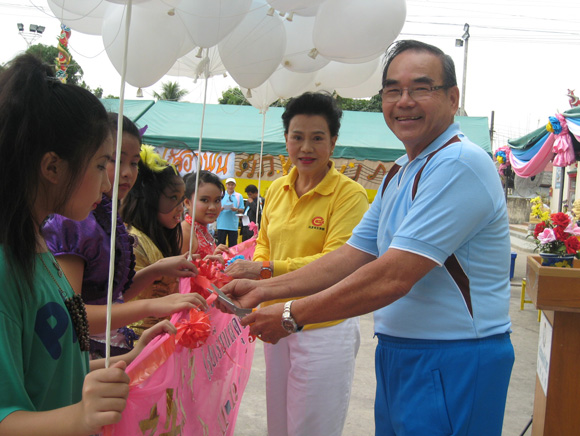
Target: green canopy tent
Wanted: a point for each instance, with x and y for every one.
(132, 109)
(228, 128)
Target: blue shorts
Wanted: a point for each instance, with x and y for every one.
(427, 387)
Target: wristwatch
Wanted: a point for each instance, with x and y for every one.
(288, 322)
(266, 271)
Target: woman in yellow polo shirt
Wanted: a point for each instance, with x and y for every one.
(308, 213)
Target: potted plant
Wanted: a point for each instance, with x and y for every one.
(557, 239)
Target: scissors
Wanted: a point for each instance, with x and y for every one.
(223, 298)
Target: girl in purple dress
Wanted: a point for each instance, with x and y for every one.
(82, 249)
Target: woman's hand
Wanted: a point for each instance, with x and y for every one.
(244, 269)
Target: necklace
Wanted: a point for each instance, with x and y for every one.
(75, 307)
(205, 233)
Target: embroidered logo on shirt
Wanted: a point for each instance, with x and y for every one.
(317, 223)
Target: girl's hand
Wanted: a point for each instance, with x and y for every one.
(105, 393)
(216, 258)
(148, 335)
(244, 269)
(221, 249)
(164, 306)
(175, 266)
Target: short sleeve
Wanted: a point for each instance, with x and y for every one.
(79, 238)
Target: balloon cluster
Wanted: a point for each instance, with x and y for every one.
(273, 48)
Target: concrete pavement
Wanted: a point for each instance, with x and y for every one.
(360, 421)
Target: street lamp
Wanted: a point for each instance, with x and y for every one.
(463, 42)
(35, 32)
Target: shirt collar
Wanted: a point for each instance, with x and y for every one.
(451, 131)
(325, 187)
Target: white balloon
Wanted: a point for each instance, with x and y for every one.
(155, 40)
(287, 84)
(93, 8)
(299, 45)
(209, 64)
(84, 17)
(293, 5)
(124, 2)
(345, 29)
(254, 49)
(307, 12)
(209, 21)
(368, 88)
(339, 75)
(261, 97)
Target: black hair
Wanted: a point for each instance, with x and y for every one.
(398, 47)
(141, 206)
(204, 177)
(128, 125)
(252, 189)
(38, 115)
(314, 103)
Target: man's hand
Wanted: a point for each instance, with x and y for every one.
(244, 293)
(266, 323)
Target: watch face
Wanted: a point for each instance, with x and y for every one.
(265, 273)
(289, 325)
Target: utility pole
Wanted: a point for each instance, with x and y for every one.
(463, 42)
(35, 32)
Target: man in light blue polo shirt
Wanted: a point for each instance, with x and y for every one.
(430, 258)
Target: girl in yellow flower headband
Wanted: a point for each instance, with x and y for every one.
(152, 212)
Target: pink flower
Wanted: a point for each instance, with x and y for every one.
(547, 236)
(573, 229)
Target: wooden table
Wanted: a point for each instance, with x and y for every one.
(556, 291)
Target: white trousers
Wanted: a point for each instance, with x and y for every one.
(308, 380)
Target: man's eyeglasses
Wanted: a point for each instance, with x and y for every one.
(417, 93)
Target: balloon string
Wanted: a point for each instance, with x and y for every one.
(198, 167)
(259, 208)
(115, 188)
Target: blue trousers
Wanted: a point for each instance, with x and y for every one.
(433, 388)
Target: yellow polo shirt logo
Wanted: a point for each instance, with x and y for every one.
(317, 223)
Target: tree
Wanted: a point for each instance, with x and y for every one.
(98, 92)
(374, 104)
(49, 55)
(233, 96)
(171, 91)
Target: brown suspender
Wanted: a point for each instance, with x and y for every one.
(451, 264)
(395, 168)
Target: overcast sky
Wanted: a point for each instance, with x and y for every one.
(523, 56)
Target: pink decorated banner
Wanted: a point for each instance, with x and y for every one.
(177, 390)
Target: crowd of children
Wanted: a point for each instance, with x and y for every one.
(57, 173)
